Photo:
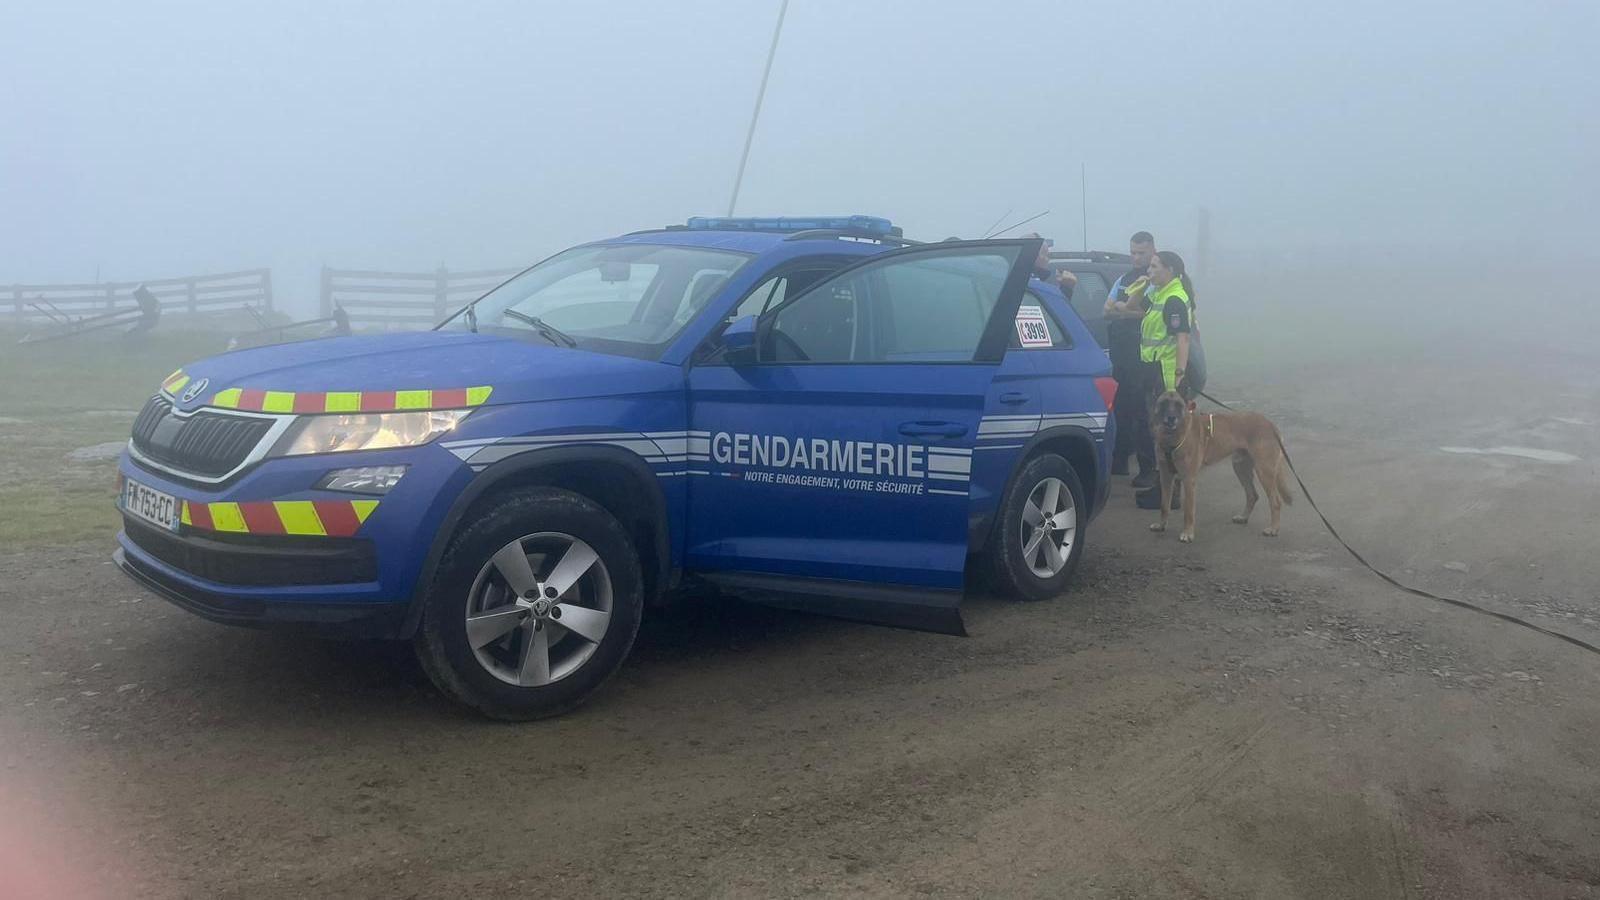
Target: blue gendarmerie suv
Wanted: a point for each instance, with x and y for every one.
(812, 412)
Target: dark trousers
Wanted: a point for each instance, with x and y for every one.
(1134, 437)
(1149, 386)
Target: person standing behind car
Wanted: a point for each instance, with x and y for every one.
(1167, 332)
(1123, 309)
(1064, 280)
(1165, 335)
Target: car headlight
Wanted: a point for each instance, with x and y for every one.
(367, 431)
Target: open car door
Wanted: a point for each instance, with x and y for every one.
(838, 478)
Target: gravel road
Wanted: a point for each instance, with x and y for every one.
(1239, 717)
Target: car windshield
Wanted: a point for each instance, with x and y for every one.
(629, 299)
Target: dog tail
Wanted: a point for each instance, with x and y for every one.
(1283, 470)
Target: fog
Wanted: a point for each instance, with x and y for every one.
(144, 140)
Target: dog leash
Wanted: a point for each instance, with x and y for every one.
(1417, 592)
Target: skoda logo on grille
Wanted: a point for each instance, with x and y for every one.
(195, 389)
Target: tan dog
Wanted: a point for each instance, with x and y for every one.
(1187, 441)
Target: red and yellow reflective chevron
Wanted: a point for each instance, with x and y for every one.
(256, 400)
(321, 518)
(174, 383)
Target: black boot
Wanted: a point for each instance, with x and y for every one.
(1151, 498)
(1145, 479)
(1119, 465)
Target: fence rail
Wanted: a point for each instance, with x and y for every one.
(188, 295)
(404, 299)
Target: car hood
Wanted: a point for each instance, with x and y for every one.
(516, 370)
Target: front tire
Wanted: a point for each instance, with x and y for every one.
(1039, 536)
(534, 607)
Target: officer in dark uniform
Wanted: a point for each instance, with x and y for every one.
(1123, 313)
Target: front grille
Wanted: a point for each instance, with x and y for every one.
(206, 443)
(259, 560)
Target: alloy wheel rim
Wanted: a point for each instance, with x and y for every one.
(539, 609)
(1049, 527)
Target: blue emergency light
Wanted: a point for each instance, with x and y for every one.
(853, 224)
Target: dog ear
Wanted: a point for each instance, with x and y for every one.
(1191, 406)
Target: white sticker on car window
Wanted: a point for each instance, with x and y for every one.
(1031, 328)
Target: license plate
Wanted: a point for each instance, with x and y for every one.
(149, 504)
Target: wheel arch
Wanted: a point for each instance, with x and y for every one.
(617, 479)
(1072, 442)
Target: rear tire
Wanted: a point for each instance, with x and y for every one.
(492, 634)
(1040, 532)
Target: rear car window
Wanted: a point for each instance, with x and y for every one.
(1089, 297)
(1028, 333)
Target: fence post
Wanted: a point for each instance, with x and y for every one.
(441, 292)
(327, 291)
(194, 304)
(266, 290)
(16, 297)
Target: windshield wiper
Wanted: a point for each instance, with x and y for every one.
(550, 333)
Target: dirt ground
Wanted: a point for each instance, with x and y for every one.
(1237, 717)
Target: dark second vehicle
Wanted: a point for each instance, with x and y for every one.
(1097, 271)
(817, 413)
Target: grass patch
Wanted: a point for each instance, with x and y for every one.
(60, 514)
(56, 398)
(96, 372)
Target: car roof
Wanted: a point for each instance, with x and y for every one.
(743, 241)
(1099, 256)
(758, 242)
(760, 234)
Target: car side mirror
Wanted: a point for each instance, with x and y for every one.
(739, 341)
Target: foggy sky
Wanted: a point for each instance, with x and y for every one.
(143, 140)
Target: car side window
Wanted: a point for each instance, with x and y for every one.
(1089, 297)
(1037, 327)
(921, 308)
(771, 293)
(768, 293)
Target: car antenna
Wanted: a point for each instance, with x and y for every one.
(999, 220)
(1016, 226)
(755, 116)
(1083, 198)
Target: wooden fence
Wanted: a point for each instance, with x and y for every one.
(191, 295)
(404, 299)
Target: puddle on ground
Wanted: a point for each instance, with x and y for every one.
(1533, 453)
(8, 420)
(106, 452)
(1568, 420)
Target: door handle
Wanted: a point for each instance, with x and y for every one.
(1013, 397)
(933, 429)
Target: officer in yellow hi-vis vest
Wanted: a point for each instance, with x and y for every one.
(1165, 342)
(1168, 321)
